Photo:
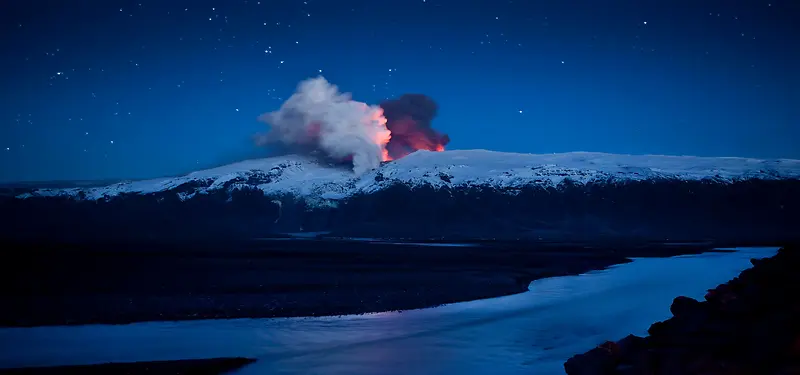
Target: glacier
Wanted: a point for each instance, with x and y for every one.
(451, 194)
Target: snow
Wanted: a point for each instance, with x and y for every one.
(303, 177)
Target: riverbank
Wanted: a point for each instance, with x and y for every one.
(748, 325)
(72, 284)
(212, 366)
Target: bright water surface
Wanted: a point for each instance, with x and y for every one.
(528, 333)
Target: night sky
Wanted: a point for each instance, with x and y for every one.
(103, 89)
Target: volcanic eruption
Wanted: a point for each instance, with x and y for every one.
(317, 117)
(409, 118)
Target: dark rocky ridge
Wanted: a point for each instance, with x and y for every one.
(750, 325)
(749, 210)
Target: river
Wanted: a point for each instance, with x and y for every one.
(527, 333)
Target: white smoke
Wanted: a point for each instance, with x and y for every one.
(318, 115)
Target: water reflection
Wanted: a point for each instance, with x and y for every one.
(527, 333)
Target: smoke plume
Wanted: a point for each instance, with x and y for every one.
(409, 119)
(317, 117)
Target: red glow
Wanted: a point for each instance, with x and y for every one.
(404, 137)
(408, 137)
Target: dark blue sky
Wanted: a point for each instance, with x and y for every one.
(129, 89)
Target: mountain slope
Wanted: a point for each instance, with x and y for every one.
(470, 193)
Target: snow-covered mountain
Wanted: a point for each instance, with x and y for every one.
(310, 179)
(454, 193)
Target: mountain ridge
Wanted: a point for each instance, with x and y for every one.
(306, 177)
(452, 194)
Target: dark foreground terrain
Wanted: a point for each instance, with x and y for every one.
(748, 210)
(116, 283)
(750, 325)
(185, 367)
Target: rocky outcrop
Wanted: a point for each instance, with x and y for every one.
(750, 325)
